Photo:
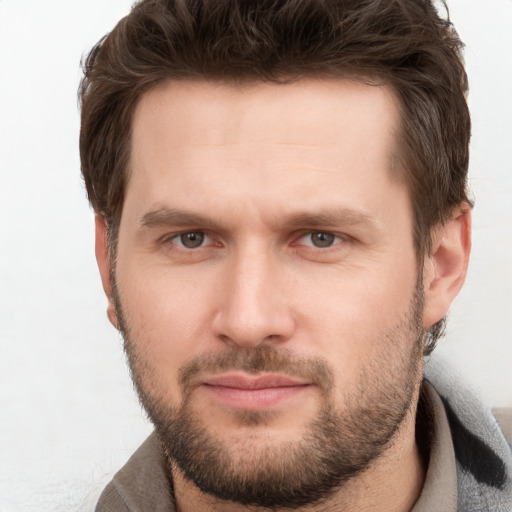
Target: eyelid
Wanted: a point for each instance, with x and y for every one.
(208, 238)
(342, 237)
(172, 237)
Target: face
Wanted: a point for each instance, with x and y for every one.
(267, 285)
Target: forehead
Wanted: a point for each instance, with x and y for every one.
(309, 111)
(305, 142)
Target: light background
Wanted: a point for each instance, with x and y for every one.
(68, 415)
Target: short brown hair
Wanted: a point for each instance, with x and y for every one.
(403, 43)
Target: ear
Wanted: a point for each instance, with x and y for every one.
(446, 266)
(103, 261)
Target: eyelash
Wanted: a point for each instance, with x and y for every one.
(338, 238)
(171, 239)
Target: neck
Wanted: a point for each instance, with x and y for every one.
(392, 483)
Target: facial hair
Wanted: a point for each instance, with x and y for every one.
(337, 445)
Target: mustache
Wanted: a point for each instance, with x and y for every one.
(258, 360)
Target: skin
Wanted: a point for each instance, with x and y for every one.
(257, 169)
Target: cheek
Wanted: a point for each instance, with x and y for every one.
(348, 316)
(168, 314)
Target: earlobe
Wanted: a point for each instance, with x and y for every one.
(446, 266)
(102, 258)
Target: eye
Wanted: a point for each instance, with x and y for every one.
(190, 239)
(320, 239)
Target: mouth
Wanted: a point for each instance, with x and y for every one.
(253, 392)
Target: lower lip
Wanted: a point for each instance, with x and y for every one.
(254, 399)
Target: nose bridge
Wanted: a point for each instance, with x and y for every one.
(254, 306)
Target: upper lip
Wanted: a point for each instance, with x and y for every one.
(253, 381)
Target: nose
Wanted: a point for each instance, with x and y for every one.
(254, 302)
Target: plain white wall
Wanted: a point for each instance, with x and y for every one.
(68, 415)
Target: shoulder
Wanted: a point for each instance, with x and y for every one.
(140, 485)
(111, 500)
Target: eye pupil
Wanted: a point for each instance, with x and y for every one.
(192, 239)
(321, 239)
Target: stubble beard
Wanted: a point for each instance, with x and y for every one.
(336, 446)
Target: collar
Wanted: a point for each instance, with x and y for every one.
(440, 486)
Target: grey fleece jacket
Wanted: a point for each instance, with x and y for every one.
(483, 454)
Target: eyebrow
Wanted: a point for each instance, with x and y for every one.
(173, 217)
(328, 217)
(163, 217)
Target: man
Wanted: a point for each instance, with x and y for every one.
(282, 223)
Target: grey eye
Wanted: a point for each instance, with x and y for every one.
(321, 239)
(192, 239)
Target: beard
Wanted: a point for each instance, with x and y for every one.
(341, 442)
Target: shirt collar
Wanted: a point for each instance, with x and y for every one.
(440, 488)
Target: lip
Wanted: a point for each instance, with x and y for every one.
(253, 392)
